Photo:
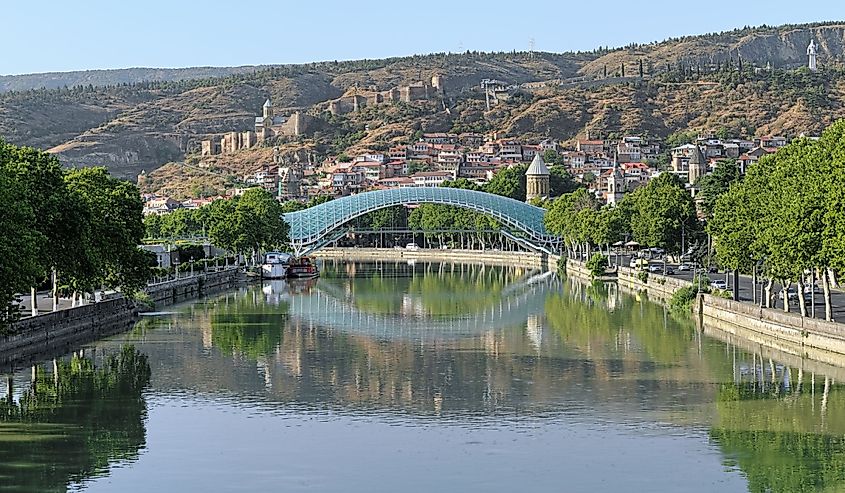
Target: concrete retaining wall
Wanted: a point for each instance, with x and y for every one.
(525, 259)
(734, 317)
(728, 315)
(175, 291)
(57, 333)
(658, 287)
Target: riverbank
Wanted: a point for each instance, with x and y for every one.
(56, 333)
(801, 335)
(493, 257)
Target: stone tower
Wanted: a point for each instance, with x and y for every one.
(537, 180)
(615, 186)
(812, 51)
(268, 109)
(698, 166)
(437, 82)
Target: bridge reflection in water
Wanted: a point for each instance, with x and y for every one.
(366, 344)
(328, 304)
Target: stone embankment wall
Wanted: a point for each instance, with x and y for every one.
(524, 259)
(175, 291)
(738, 318)
(729, 315)
(57, 333)
(658, 287)
(60, 331)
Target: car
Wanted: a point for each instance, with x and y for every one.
(669, 271)
(791, 293)
(655, 268)
(412, 246)
(718, 284)
(713, 269)
(638, 263)
(686, 267)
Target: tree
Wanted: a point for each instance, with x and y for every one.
(293, 206)
(388, 217)
(715, 184)
(561, 182)
(680, 138)
(111, 256)
(573, 217)
(61, 219)
(461, 183)
(778, 216)
(663, 213)
(319, 199)
(416, 167)
(152, 226)
(551, 156)
(509, 182)
(19, 262)
(249, 223)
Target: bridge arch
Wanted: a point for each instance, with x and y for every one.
(314, 227)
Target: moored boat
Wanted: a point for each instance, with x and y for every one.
(302, 268)
(276, 265)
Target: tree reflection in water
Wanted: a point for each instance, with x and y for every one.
(73, 422)
(785, 435)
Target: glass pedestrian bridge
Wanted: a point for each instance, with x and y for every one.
(312, 228)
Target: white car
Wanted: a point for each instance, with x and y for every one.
(412, 246)
(718, 284)
(655, 268)
(686, 267)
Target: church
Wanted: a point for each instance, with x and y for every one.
(270, 125)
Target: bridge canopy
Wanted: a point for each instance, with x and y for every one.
(310, 228)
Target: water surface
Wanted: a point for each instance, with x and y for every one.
(421, 377)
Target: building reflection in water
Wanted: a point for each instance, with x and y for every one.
(471, 343)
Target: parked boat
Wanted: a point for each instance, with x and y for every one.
(276, 265)
(302, 268)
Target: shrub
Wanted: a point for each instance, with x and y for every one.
(597, 264)
(723, 293)
(643, 276)
(561, 265)
(681, 301)
(143, 299)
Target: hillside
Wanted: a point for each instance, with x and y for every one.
(776, 47)
(147, 118)
(53, 80)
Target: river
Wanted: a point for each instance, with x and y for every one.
(420, 377)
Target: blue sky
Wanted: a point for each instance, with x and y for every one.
(61, 35)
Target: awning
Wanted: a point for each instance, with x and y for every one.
(632, 244)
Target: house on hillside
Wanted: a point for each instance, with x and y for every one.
(161, 205)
